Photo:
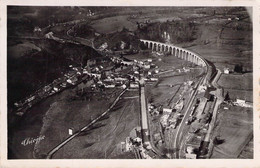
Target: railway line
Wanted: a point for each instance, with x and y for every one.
(209, 76)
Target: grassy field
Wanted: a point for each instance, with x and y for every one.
(112, 24)
(238, 86)
(235, 127)
(103, 141)
(52, 119)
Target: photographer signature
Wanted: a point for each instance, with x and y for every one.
(29, 141)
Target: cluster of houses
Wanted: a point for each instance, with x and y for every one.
(171, 116)
(134, 142)
(71, 78)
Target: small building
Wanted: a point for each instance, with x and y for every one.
(226, 70)
(96, 75)
(154, 79)
(136, 72)
(190, 156)
(128, 144)
(147, 66)
(134, 85)
(167, 110)
(70, 131)
(120, 79)
(49, 35)
(157, 136)
(103, 46)
(127, 62)
(163, 120)
(72, 80)
(37, 29)
(63, 84)
(110, 86)
(149, 60)
(47, 88)
(123, 86)
(156, 71)
(56, 89)
(240, 101)
(85, 71)
(30, 99)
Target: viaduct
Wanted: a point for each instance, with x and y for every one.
(176, 51)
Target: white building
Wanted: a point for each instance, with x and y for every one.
(134, 85)
(226, 71)
(154, 79)
(110, 86)
(49, 35)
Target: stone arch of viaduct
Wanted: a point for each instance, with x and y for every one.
(175, 51)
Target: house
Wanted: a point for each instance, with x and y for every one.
(49, 35)
(85, 71)
(194, 141)
(186, 69)
(72, 80)
(123, 86)
(147, 66)
(47, 88)
(37, 29)
(202, 88)
(190, 82)
(56, 89)
(103, 46)
(240, 101)
(70, 74)
(128, 144)
(167, 110)
(226, 70)
(110, 86)
(163, 120)
(156, 71)
(120, 79)
(96, 75)
(154, 79)
(149, 60)
(63, 84)
(134, 85)
(127, 63)
(30, 99)
(136, 72)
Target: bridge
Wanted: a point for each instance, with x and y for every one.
(175, 51)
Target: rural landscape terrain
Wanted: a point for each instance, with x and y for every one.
(129, 82)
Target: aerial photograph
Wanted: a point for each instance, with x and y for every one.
(129, 82)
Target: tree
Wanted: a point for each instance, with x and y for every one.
(238, 68)
(227, 98)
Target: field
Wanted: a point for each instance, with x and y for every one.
(238, 86)
(112, 24)
(103, 141)
(235, 127)
(54, 117)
